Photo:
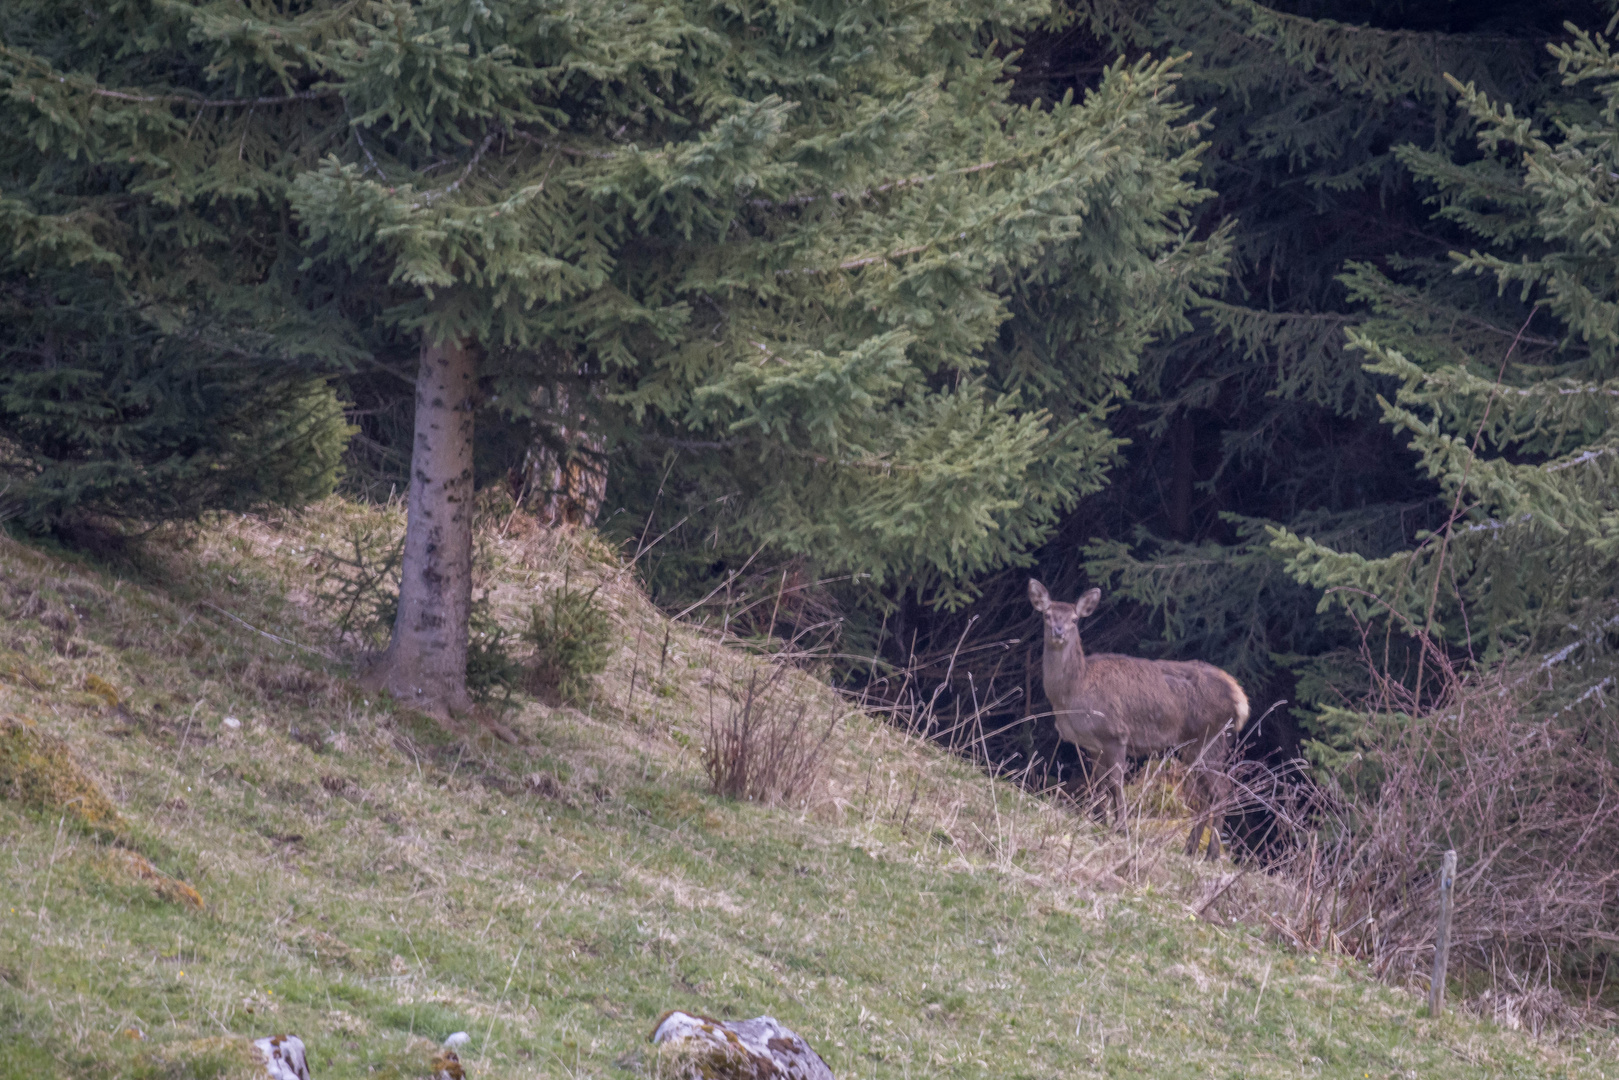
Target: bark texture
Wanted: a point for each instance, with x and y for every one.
(563, 479)
(425, 664)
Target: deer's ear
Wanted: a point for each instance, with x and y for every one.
(1087, 603)
(1038, 596)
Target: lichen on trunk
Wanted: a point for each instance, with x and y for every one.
(425, 664)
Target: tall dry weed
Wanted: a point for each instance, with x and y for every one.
(767, 746)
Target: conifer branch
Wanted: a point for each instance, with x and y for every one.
(354, 127)
(880, 189)
(1584, 459)
(1377, 37)
(1456, 509)
(477, 156)
(899, 253)
(792, 200)
(47, 71)
(691, 444)
(571, 151)
(214, 103)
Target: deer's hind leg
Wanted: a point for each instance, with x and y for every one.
(1206, 777)
(1203, 818)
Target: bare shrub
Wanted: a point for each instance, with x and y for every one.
(1540, 1011)
(766, 747)
(1526, 793)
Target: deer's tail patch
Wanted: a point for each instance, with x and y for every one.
(1239, 700)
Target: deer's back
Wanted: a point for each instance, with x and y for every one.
(1147, 705)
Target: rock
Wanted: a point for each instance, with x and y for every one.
(283, 1057)
(699, 1048)
(446, 1065)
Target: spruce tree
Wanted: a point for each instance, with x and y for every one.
(1258, 414)
(1262, 414)
(1504, 368)
(789, 235)
(159, 353)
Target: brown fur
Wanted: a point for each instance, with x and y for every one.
(1113, 706)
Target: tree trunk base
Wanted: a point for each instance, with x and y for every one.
(404, 684)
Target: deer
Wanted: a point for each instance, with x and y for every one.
(1112, 706)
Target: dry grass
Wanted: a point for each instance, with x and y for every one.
(1527, 793)
(257, 580)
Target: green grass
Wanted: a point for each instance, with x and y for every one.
(379, 881)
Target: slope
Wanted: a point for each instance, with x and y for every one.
(551, 883)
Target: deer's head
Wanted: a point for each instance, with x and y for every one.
(1062, 620)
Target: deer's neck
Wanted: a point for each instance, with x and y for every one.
(1064, 666)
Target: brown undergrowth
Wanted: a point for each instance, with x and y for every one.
(1527, 795)
(766, 747)
(1531, 805)
(292, 583)
(653, 701)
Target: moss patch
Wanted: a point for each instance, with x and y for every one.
(37, 770)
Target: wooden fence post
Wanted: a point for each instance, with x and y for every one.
(1441, 945)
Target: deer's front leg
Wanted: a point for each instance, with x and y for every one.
(1111, 762)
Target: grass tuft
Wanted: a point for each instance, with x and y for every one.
(132, 864)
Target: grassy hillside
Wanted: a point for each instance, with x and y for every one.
(372, 881)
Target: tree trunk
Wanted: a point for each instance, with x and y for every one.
(563, 478)
(426, 662)
(1180, 484)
